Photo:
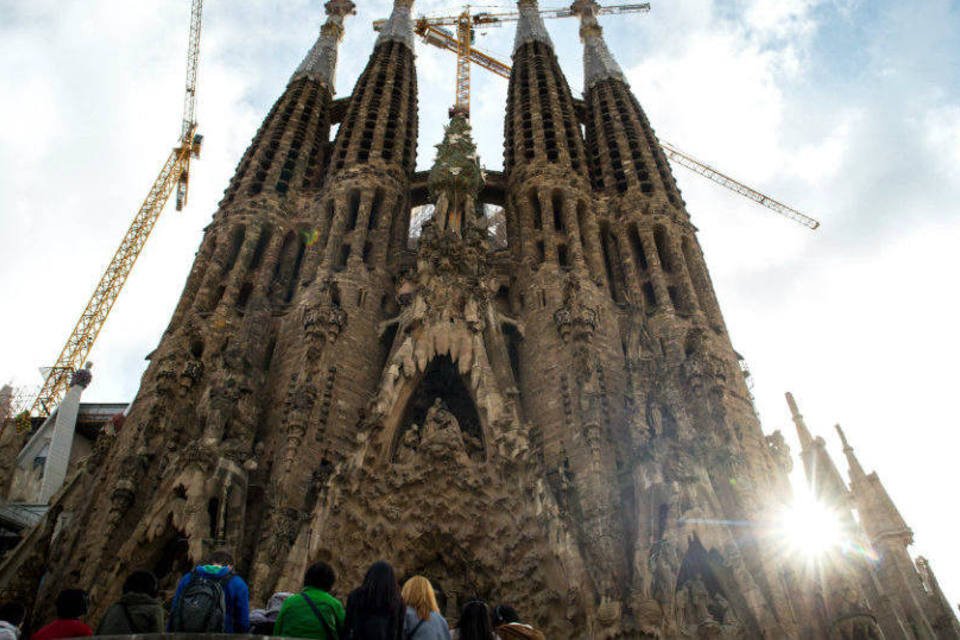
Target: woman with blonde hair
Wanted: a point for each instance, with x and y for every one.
(422, 620)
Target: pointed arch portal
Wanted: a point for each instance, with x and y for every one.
(441, 381)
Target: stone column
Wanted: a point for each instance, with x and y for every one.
(61, 442)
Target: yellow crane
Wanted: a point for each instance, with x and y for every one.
(432, 31)
(175, 175)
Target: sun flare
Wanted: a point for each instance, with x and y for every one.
(810, 528)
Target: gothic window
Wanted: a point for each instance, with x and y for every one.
(342, 257)
(541, 253)
(611, 262)
(557, 206)
(353, 210)
(196, 348)
(367, 253)
(262, 242)
(663, 248)
(375, 210)
(512, 338)
(639, 256)
(649, 296)
(236, 243)
(562, 256)
(244, 296)
(537, 210)
(268, 354)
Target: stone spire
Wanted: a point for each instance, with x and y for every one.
(598, 62)
(857, 473)
(878, 514)
(818, 466)
(803, 433)
(530, 27)
(455, 179)
(320, 64)
(399, 26)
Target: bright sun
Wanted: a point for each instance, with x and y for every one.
(809, 527)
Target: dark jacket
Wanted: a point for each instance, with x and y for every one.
(371, 625)
(235, 592)
(132, 613)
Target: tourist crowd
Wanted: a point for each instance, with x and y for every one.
(212, 598)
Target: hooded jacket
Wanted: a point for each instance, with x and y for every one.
(132, 613)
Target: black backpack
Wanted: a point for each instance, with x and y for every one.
(202, 607)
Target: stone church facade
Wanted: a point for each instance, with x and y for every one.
(561, 422)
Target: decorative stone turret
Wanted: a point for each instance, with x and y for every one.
(61, 440)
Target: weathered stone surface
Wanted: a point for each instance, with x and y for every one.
(562, 422)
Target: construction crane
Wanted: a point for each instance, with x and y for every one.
(461, 43)
(175, 175)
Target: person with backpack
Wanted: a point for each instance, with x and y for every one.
(422, 620)
(211, 599)
(137, 611)
(11, 619)
(474, 623)
(71, 606)
(507, 625)
(312, 613)
(375, 608)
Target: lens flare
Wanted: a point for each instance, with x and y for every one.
(810, 528)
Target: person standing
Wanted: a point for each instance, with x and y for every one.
(422, 620)
(211, 599)
(375, 608)
(507, 625)
(312, 613)
(137, 611)
(474, 623)
(71, 606)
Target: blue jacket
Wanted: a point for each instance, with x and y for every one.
(235, 592)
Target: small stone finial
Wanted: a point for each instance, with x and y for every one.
(530, 27)
(399, 26)
(598, 62)
(855, 468)
(82, 377)
(320, 64)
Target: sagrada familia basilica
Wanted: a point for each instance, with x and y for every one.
(558, 420)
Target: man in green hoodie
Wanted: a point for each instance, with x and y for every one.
(312, 613)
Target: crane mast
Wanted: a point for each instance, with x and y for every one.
(431, 30)
(174, 175)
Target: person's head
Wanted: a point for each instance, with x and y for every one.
(418, 593)
(71, 603)
(221, 557)
(504, 614)
(13, 612)
(141, 582)
(379, 591)
(319, 575)
(475, 622)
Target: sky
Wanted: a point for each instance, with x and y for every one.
(848, 110)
